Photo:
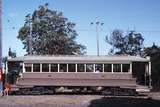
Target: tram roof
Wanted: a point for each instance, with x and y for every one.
(79, 59)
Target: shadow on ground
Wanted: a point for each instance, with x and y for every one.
(124, 102)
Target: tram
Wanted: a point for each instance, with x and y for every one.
(28, 73)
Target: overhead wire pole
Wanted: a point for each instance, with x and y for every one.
(97, 33)
(97, 23)
(1, 73)
(30, 36)
(1, 34)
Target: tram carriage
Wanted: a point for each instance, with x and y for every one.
(131, 72)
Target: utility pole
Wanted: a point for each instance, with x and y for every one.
(1, 34)
(1, 73)
(30, 36)
(97, 23)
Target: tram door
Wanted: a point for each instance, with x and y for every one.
(14, 68)
(138, 71)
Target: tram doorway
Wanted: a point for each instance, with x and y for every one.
(140, 72)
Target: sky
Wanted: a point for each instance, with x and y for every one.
(140, 15)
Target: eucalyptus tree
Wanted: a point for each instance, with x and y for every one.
(154, 53)
(51, 34)
(130, 44)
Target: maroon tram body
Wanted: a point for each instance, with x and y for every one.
(131, 72)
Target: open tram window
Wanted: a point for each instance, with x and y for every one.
(45, 67)
(89, 68)
(54, 67)
(107, 68)
(80, 68)
(36, 67)
(125, 67)
(63, 68)
(116, 67)
(98, 68)
(71, 67)
(28, 67)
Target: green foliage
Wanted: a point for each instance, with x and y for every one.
(52, 33)
(154, 53)
(11, 53)
(130, 44)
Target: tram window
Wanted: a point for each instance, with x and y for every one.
(116, 67)
(89, 68)
(63, 68)
(126, 67)
(14, 67)
(98, 67)
(36, 67)
(107, 68)
(28, 67)
(45, 67)
(54, 67)
(80, 68)
(71, 68)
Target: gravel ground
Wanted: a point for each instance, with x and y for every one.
(48, 101)
(79, 101)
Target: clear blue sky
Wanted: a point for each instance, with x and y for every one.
(140, 15)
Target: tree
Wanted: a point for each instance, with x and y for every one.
(11, 54)
(116, 40)
(52, 33)
(130, 44)
(154, 53)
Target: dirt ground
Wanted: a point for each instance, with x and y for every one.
(48, 100)
(79, 101)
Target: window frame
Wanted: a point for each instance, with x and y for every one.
(28, 66)
(46, 67)
(37, 67)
